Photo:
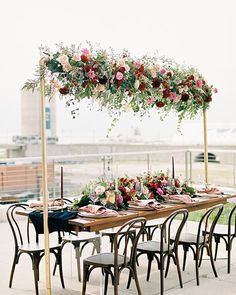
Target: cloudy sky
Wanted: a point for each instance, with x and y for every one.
(199, 33)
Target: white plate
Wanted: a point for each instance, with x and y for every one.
(133, 207)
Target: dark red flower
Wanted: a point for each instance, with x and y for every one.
(84, 58)
(87, 68)
(160, 104)
(156, 83)
(64, 90)
(208, 98)
(142, 86)
(190, 78)
(169, 74)
(75, 83)
(122, 70)
(119, 83)
(141, 69)
(184, 97)
(166, 93)
(103, 80)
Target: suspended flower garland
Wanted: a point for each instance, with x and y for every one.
(121, 83)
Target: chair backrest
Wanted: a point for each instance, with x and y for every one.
(172, 228)
(136, 226)
(204, 223)
(232, 221)
(19, 227)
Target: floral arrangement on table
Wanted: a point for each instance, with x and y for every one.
(122, 83)
(117, 193)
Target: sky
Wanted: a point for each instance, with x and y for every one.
(199, 33)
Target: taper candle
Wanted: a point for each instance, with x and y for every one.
(62, 183)
(173, 168)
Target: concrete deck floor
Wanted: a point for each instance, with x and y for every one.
(23, 278)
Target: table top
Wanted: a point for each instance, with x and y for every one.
(92, 224)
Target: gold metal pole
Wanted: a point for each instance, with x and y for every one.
(45, 177)
(205, 147)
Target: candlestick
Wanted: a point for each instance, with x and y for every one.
(116, 184)
(62, 183)
(173, 168)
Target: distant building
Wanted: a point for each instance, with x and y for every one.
(31, 119)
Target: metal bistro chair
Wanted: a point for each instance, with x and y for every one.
(165, 249)
(226, 233)
(79, 241)
(25, 244)
(203, 239)
(112, 264)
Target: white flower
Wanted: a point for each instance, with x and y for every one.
(99, 190)
(63, 59)
(136, 84)
(67, 67)
(76, 57)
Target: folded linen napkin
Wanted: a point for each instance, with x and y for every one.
(180, 198)
(211, 190)
(51, 203)
(98, 210)
(145, 204)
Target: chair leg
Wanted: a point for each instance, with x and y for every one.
(35, 264)
(185, 248)
(136, 280)
(217, 241)
(197, 266)
(54, 268)
(59, 261)
(85, 276)
(129, 280)
(106, 282)
(212, 261)
(167, 266)
(201, 256)
(13, 270)
(178, 270)
(228, 248)
(78, 256)
(150, 259)
(162, 274)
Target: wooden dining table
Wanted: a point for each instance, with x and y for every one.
(96, 224)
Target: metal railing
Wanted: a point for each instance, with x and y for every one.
(21, 178)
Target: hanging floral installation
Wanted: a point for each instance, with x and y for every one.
(122, 83)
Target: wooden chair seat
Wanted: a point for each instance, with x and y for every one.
(104, 260)
(153, 246)
(37, 247)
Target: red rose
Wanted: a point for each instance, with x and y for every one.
(184, 97)
(84, 58)
(156, 83)
(122, 70)
(160, 104)
(169, 75)
(64, 90)
(75, 83)
(87, 68)
(208, 98)
(166, 94)
(177, 183)
(119, 83)
(142, 86)
(141, 69)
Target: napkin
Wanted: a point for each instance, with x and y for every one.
(182, 198)
(98, 210)
(35, 204)
(145, 204)
(210, 190)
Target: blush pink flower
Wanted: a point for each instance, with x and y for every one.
(150, 101)
(119, 200)
(162, 71)
(91, 74)
(199, 83)
(172, 96)
(137, 63)
(215, 90)
(85, 51)
(119, 76)
(160, 191)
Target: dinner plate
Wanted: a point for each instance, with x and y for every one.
(92, 215)
(209, 195)
(174, 202)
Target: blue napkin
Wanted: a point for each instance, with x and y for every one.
(57, 221)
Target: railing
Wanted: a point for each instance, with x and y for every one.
(21, 178)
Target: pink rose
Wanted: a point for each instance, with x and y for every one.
(91, 74)
(119, 76)
(67, 67)
(137, 63)
(160, 191)
(119, 200)
(76, 57)
(172, 96)
(199, 83)
(162, 71)
(150, 101)
(215, 90)
(85, 51)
